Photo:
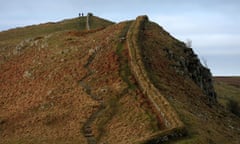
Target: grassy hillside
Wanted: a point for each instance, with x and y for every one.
(204, 124)
(228, 89)
(11, 39)
(61, 83)
(48, 28)
(71, 86)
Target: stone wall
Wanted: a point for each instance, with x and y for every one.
(185, 62)
(161, 106)
(88, 21)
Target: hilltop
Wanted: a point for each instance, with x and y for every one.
(123, 83)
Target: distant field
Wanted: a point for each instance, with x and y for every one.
(233, 81)
(227, 88)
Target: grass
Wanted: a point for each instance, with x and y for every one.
(186, 97)
(107, 114)
(18, 34)
(228, 93)
(153, 120)
(96, 22)
(41, 140)
(125, 71)
(112, 105)
(185, 140)
(43, 29)
(66, 41)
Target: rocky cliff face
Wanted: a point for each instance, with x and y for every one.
(161, 51)
(188, 64)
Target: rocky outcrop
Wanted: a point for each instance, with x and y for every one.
(200, 75)
(187, 63)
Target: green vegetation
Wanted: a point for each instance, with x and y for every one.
(153, 120)
(112, 105)
(43, 29)
(125, 71)
(41, 140)
(228, 92)
(96, 22)
(18, 34)
(107, 114)
(234, 107)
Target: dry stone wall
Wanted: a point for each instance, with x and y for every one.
(87, 22)
(159, 103)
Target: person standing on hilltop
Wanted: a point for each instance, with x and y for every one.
(81, 14)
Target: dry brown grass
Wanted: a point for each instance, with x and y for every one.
(42, 100)
(204, 124)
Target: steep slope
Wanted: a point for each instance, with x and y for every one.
(168, 63)
(55, 84)
(122, 83)
(173, 125)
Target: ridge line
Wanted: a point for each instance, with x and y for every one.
(174, 126)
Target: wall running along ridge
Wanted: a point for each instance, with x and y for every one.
(87, 22)
(173, 125)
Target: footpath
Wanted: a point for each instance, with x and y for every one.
(167, 116)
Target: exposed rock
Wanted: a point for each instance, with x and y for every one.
(190, 66)
(27, 74)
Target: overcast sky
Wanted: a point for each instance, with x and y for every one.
(212, 25)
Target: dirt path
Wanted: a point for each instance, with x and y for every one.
(87, 130)
(173, 125)
(87, 127)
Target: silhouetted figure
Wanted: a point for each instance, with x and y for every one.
(80, 14)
